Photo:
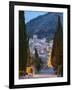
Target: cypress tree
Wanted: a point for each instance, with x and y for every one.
(22, 43)
(37, 61)
(57, 50)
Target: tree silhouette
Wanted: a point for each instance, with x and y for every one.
(37, 61)
(22, 43)
(57, 50)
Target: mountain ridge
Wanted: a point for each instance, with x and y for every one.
(44, 26)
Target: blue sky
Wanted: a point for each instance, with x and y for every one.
(32, 14)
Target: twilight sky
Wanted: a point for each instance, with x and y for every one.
(32, 14)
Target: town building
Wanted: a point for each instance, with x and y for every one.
(43, 47)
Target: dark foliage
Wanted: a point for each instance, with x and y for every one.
(22, 43)
(57, 51)
(37, 62)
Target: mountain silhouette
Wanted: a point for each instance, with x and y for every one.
(44, 26)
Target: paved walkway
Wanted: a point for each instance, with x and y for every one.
(44, 73)
(47, 71)
(44, 76)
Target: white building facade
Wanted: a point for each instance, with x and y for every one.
(41, 45)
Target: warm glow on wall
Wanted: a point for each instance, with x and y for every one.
(49, 61)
